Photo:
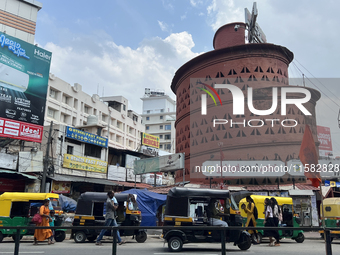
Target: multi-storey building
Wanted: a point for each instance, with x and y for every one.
(159, 116)
(18, 18)
(106, 116)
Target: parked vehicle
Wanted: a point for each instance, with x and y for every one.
(90, 212)
(18, 208)
(289, 219)
(189, 207)
(331, 209)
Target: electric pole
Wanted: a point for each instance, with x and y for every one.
(46, 160)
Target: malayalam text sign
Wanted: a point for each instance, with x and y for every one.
(84, 163)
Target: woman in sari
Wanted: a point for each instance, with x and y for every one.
(43, 234)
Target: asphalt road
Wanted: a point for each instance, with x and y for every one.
(155, 246)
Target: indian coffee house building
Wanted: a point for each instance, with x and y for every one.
(215, 124)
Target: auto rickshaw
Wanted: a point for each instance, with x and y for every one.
(331, 208)
(289, 219)
(189, 207)
(18, 208)
(91, 208)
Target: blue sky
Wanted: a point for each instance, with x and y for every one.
(120, 46)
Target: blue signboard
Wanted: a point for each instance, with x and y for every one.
(86, 137)
(332, 184)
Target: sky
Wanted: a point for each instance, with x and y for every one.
(115, 47)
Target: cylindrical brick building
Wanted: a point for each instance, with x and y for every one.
(260, 66)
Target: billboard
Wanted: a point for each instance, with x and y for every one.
(24, 73)
(86, 137)
(166, 163)
(150, 140)
(324, 137)
(84, 163)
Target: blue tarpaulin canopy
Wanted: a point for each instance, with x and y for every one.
(67, 204)
(148, 203)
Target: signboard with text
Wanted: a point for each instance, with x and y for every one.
(324, 137)
(24, 74)
(84, 163)
(86, 137)
(150, 140)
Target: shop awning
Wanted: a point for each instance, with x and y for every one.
(70, 178)
(297, 192)
(2, 171)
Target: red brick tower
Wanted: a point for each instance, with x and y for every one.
(261, 66)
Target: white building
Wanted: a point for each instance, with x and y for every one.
(18, 18)
(107, 116)
(159, 116)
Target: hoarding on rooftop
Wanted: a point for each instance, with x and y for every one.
(24, 74)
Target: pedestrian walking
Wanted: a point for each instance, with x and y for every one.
(251, 219)
(276, 214)
(110, 217)
(43, 234)
(269, 221)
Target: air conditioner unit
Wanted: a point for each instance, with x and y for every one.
(13, 79)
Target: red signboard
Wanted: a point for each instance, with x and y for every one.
(324, 137)
(20, 130)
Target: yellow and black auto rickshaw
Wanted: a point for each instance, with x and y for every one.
(331, 208)
(190, 207)
(18, 208)
(91, 210)
(289, 220)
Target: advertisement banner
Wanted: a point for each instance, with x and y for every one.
(84, 163)
(24, 74)
(129, 160)
(166, 163)
(324, 137)
(61, 187)
(150, 179)
(30, 162)
(150, 140)
(86, 137)
(8, 161)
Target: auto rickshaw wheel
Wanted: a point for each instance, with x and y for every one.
(300, 238)
(141, 237)
(175, 244)
(92, 238)
(245, 245)
(14, 237)
(80, 237)
(1, 236)
(253, 238)
(59, 236)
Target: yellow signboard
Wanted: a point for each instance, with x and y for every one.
(85, 164)
(150, 140)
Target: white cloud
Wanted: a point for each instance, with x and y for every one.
(221, 12)
(120, 70)
(195, 2)
(163, 26)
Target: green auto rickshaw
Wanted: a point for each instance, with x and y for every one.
(18, 208)
(289, 219)
(331, 208)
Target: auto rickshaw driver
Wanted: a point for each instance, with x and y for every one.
(215, 212)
